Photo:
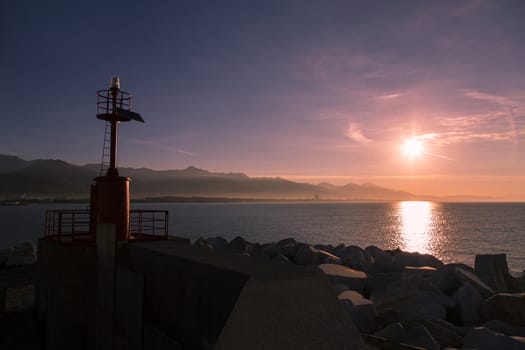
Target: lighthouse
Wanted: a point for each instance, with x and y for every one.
(86, 293)
(109, 201)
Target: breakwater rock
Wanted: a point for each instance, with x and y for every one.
(401, 299)
(18, 255)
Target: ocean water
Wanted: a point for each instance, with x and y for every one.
(453, 232)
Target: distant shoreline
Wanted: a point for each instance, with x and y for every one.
(195, 199)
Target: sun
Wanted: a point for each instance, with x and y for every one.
(413, 147)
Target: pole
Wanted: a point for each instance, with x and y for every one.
(112, 170)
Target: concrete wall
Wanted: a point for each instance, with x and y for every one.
(186, 300)
(66, 294)
(191, 298)
(201, 298)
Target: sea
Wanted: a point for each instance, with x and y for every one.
(453, 232)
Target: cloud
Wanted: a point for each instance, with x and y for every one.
(501, 100)
(338, 68)
(355, 134)
(467, 136)
(388, 97)
(502, 120)
(428, 136)
(466, 8)
(474, 119)
(160, 145)
(440, 156)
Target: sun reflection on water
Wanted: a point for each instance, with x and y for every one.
(416, 226)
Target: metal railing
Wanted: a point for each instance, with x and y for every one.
(73, 226)
(105, 101)
(68, 226)
(148, 224)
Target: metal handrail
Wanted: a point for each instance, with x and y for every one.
(104, 101)
(148, 224)
(68, 226)
(72, 226)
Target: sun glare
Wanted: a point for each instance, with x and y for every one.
(413, 148)
(417, 221)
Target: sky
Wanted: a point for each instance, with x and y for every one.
(312, 91)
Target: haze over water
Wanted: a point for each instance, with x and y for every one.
(453, 232)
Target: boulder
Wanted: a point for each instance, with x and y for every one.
(354, 297)
(270, 250)
(19, 255)
(521, 282)
(463, 276)
(355, 280)
(403, 259)
(339, 249)
(26, 248)
(287, 241)
(409, 283)
(201, 243)
(416, 310)
(307, 255)
(417, 336)
(280, 258)
(328, 258)
(493, 270)
(420, 336)
(420, 272)
(394, 332)
(379, 255)
(355, 258)
(381, 260)
(339, 287)
(506, 307)
(20, 260)
(445, 279)
(237, 246)
(445, 333)
(411, 305)
(361, 310)
(3, 256)
(484, 339)
(217, 243)
(469, 303)
(289, 250)
(505, 328)
(326, 247)
(393, 252)
(20, 298)
(377, 282)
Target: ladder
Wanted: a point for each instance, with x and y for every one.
(106, 149)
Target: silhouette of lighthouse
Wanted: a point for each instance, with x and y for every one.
(110, 194)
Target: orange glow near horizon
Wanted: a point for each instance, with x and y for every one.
(479, 187)
(416, 225)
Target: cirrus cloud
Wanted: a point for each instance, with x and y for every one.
(355, 133)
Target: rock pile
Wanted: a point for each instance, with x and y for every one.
(403, 300)
(19, 255)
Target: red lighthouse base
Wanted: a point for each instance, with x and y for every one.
(110, 204)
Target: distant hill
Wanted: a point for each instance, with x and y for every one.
(11, 163)
(46, 179)
(58, 179)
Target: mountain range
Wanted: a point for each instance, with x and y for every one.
(56, 179)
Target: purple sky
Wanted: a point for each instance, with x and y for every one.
(307, 90)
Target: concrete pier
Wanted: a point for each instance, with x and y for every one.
(190, 298)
